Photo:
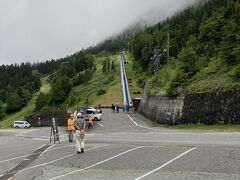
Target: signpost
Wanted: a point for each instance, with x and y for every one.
(54, 136)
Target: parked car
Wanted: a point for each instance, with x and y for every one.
(97, 116)
(21, 124)
(97, 109)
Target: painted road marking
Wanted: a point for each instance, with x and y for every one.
(50, 162)
(140, 125)
(23, 164)
(89, 134)
(101, 162)
(40, 139)
(165, 164)
(18, 157)
(46, 150)
(99, 124)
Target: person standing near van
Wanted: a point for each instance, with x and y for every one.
(71, 127)
(80, 125)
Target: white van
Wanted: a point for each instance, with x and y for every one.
(97, 116)
(21, 124)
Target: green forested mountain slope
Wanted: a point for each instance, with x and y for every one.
(204, 52)
(204, 57)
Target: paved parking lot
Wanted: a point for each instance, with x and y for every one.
(120, 147)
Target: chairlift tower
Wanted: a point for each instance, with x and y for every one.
(156, 59)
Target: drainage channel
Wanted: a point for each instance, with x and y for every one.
(24, 163)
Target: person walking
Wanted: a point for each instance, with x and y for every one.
(80, 125)
(117, 108)
(127, 108)
(124, 107)
(90, 122)
(71, 127)
(113, 108)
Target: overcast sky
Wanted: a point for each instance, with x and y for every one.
(39, 30)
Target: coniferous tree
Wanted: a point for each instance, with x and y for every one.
(14, 102)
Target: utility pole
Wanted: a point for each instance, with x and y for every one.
(168, 48)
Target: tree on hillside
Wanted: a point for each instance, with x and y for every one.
(42, 100)
(60, 90)
(3, 95)
(142, 49)
(113, 68)
(66, 69)
(188, 57)
(104, 66)
(14, 102)
(210, 34)
(83, 61)
(36, 84)
(25, 96)
(2, 111)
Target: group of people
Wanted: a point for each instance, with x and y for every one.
(126, 108)
(115, 108)
(76, 124)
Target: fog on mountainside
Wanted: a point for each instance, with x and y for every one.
(42, 30)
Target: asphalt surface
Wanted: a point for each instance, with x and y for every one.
(121, 147)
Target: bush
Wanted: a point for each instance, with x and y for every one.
(101, 92)
(42, 100)
(141, 82)
(235, 72)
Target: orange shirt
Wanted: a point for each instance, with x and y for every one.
(71, 123)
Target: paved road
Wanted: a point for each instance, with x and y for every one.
(121, 147)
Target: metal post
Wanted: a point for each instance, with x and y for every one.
(156, 60)
(168, 49)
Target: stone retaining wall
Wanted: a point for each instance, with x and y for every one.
(206, 108)
(45, 118)
(163, 110)
(212, 108)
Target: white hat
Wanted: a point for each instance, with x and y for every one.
(79, 115)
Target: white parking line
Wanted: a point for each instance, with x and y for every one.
(165, 164)
(99, 124)
(50, 162)
(18, 157)
(97, 163)
(139, 125)
(47, 149)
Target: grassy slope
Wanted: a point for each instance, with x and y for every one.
(83, 94)
(113, 95)
(27, 110)
(86, 94)
(215, 77)
(133, 87)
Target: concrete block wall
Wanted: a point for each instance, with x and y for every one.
(164, 110)
(206, 108)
